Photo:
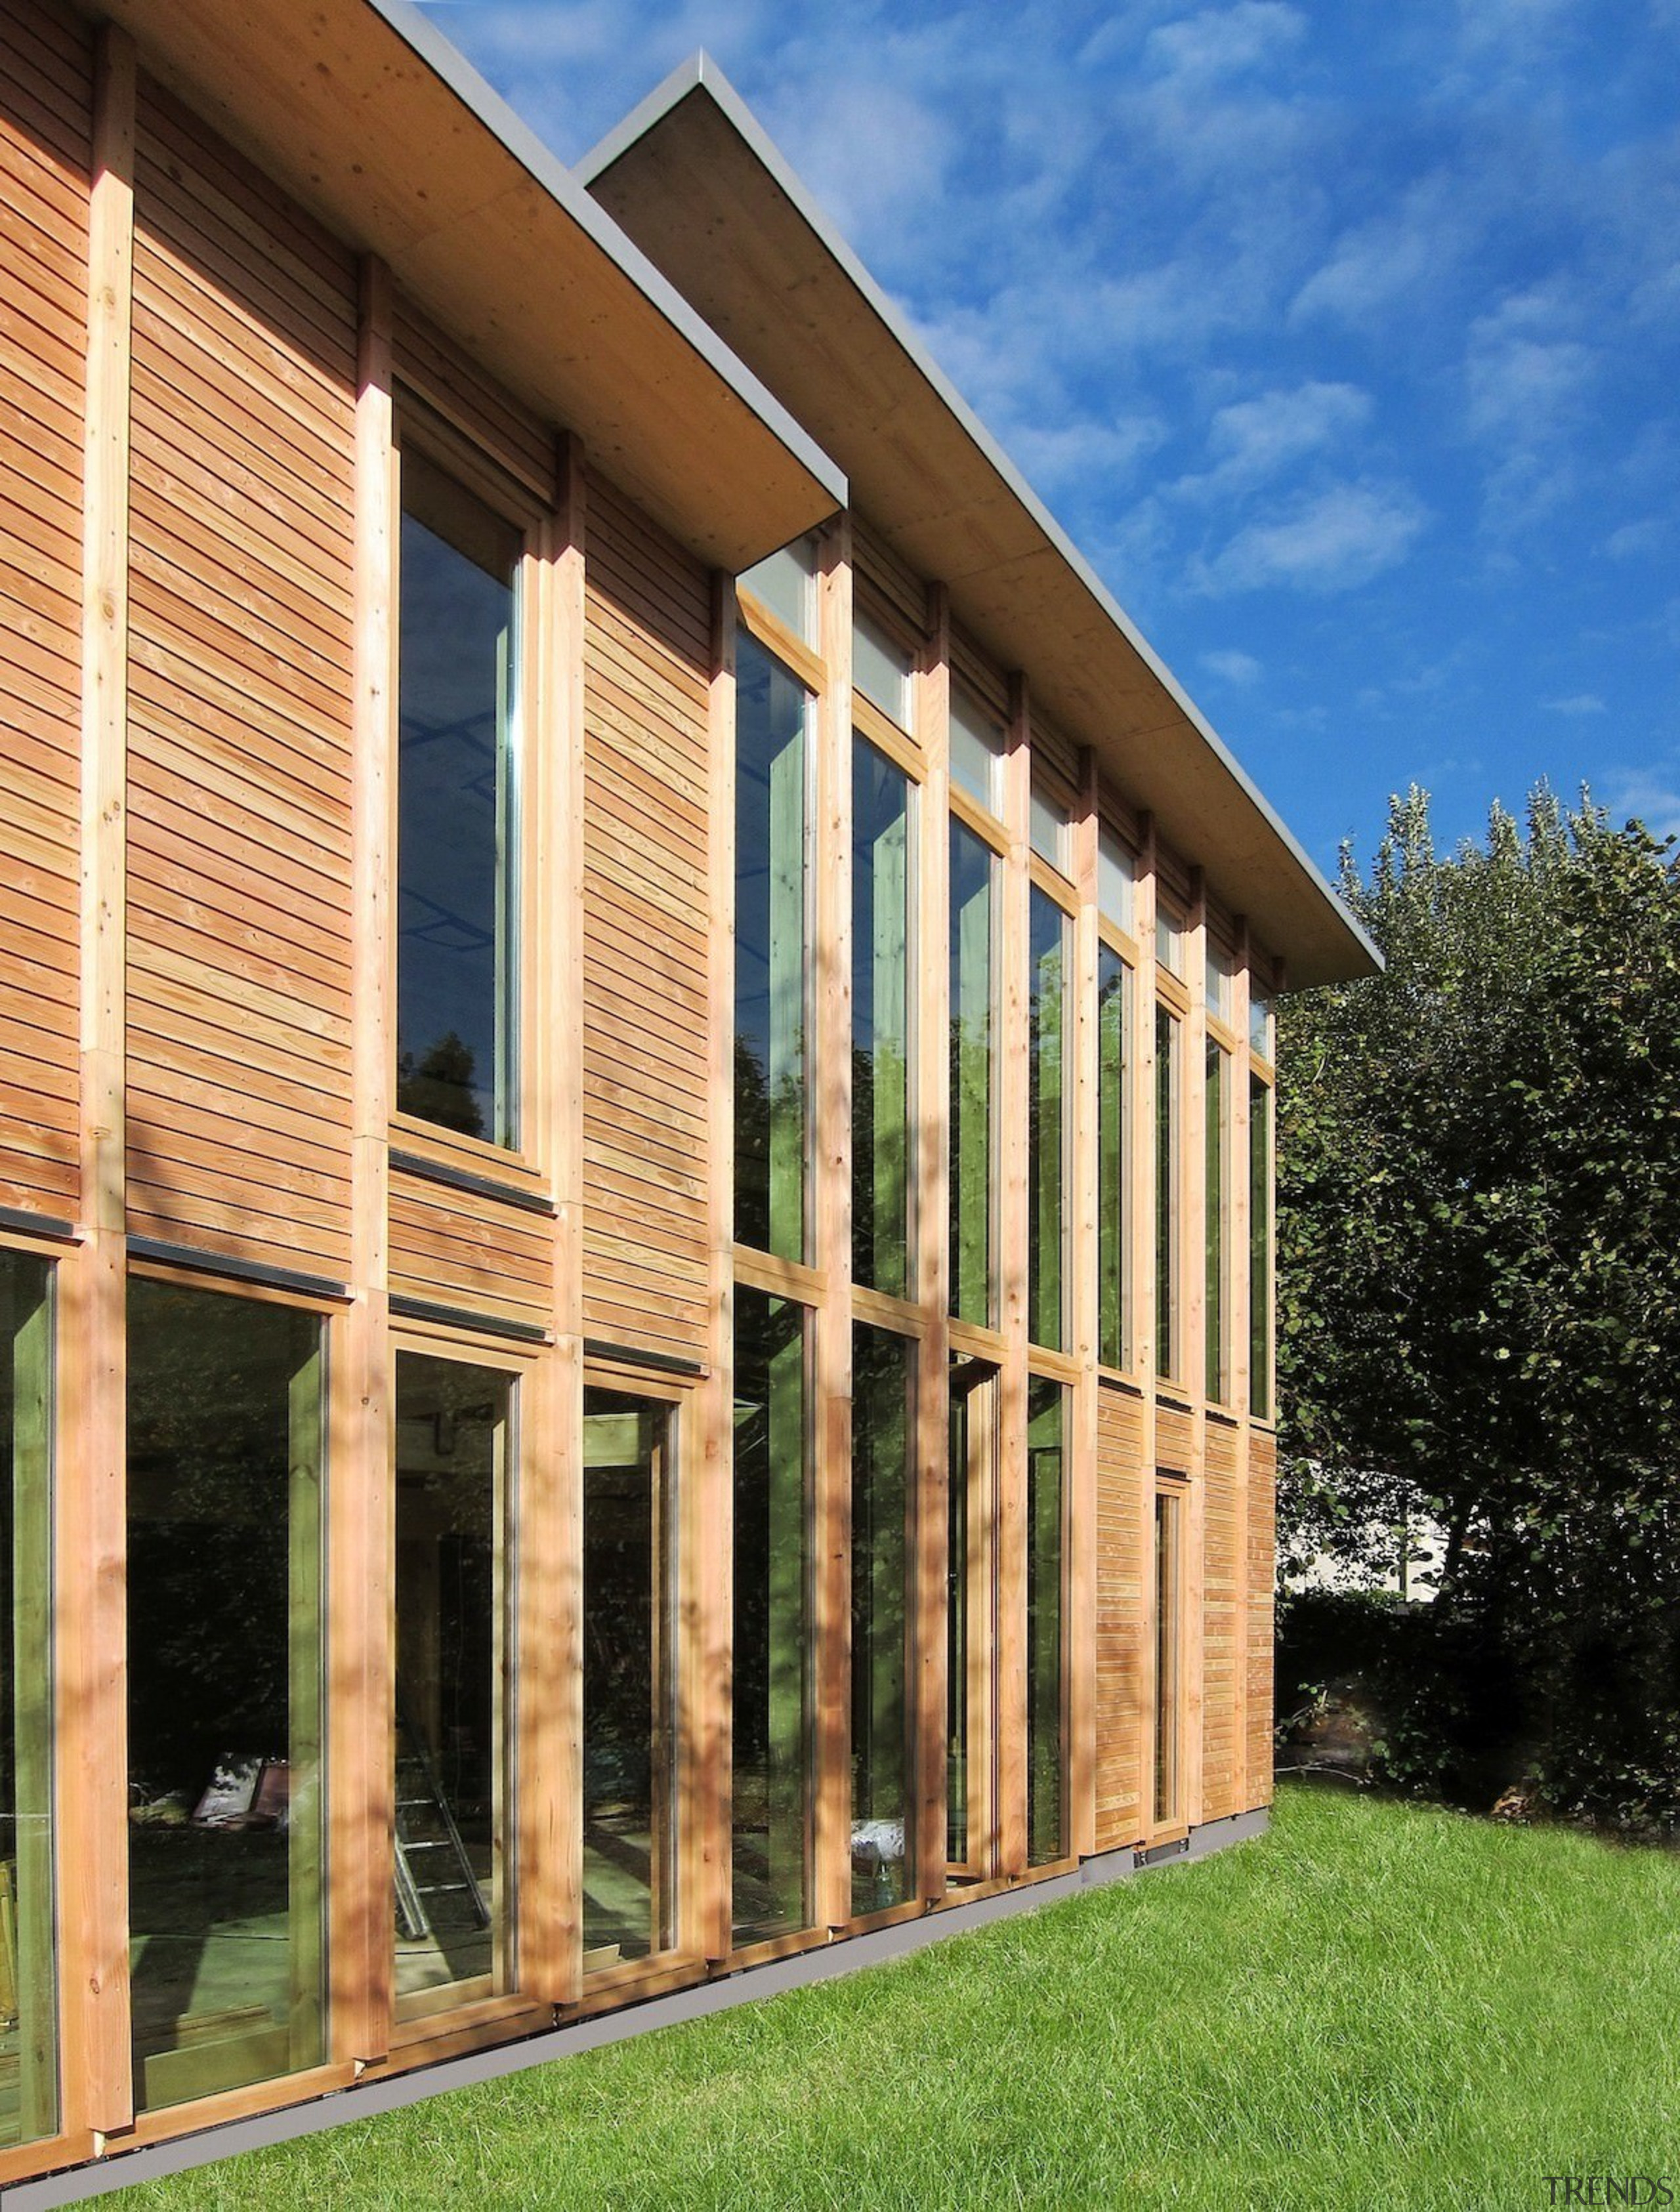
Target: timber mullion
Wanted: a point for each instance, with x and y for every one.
(92, 1532)
(1146, 1310)
(1080, 1185)
(1011, 1261)
(1239, 1305)
(829, 1071)
(1193, 1355)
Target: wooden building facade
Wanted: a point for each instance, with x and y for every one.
(635, 1121)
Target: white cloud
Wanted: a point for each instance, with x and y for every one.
(1334, 541)
(1577, 703)
(1086, 454)
(1238, 669)
(1252, 440)
(1650, 795)
(1396, 254)
(1634, 540)
(1222, 41)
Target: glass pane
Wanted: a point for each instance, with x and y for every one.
(785, 583)
(1167, 1509)
(883, 902)
(1218, 1199)
(628, 1503)
(1113, 1153)
(1116, 879)
(28, 2024)
(456, 803)
(1046, 1832)
(972, 868)
(970, 1618)
(453, 1718)
(771, 709)
(1048, 830)
(225, 1450)
(1049, 942)
(977, 750)
(1221, 969)
(882, 1381)
(882, 669)
(1260, 1023)
(771, 1656)
(1167, 1195)
(1260, 1248)
(1170, 941)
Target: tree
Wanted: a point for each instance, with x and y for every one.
(1479, 1255)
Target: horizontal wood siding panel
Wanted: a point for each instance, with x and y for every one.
(1262, 1570)
(646, 938)
(1224, 1643)
(241, 580)
(1175, 1440)
(46, 128)
(459, 1248)
(468, 401)
(1121, 1478)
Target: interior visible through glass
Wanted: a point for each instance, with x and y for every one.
(1046, 1794)
(29, 2025)
(971, 1021)
(970, 1619)
(1113, 1131)
(1260, 1248)
(883, 881)
(1049, 935)
(225, 1468)
(453, 1702)
(456, 807)
(771, 1660)
(627, 1503)
(1167, 1195)
(882, 1378)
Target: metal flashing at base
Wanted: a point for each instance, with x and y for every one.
(747, 1985)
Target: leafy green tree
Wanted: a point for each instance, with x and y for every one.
(1479, 1251)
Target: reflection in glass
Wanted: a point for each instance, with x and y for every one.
(1046, 1821)
(1116, 879)
(882, 1779)
(1260, 1248)
(1049, 935)
(225, 1452)
(882, 668)
(970, 1617)
(1217, 1140)
(457, 808)
(883, 890)
(1260, 1023)
(453, 1717)
(1113, 1141)
(785, 581)
(1048, 829)
(1168, 1507)
(772, 710)
(772, 1638)
(977, 750)
(29, 2025)
(1170, 940)
(972, 869)
(1167, 1195)
(627, 1795)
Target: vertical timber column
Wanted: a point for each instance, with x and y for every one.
(360, 1405)
(1145, 1305)
(91, 1552)
(551, 1495)
(1236, 1269)
(1080, 1547)
(931, 1284)
(830, 1069)
(1012, 1269)
(705, 1467)
(1194, 1276)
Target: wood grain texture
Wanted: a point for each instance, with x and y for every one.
(1125, 1489)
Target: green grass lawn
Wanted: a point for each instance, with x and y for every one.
(1375, 2006)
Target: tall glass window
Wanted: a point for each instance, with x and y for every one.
(28, 2024)
(453, 1720)
(772, 710)
(972, 1022)
(882, 1382)
(457, 806)
(225, 1467)
(627, 1502)
(1049, 937)
(771, 1657)
(1260, 1248)
(1113, 1153)
(1167, 1087)
(1216, 1301)
(971, 1620)
(1046, 1797)
(883, 905)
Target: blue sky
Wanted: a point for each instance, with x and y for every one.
(1345, 338)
